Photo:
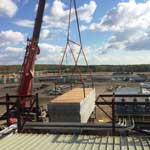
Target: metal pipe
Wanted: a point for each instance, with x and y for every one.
(8, 130)
(124, 95)
(5, 103)
(122, 103)
(68, 124)
(20, 96)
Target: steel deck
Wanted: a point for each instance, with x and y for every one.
(73, 142)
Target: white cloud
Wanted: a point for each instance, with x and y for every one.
(57, 17)
(122, 58)
(24, 23)
(49, 53)
(48, 59)
(8, 8)
(14, 49)
(10, 47)
(129, 23)
(50, 48)
(57, 9)
(36, 7)
(45, 34)
(59, 14)
(126, 15)
(131, 40)
(10, 37)
(53, 54)
(2, 56)
(83, 27)
(86, 11)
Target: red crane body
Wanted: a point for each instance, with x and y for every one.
(32, 50)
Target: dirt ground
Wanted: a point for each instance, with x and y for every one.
(44, 97)
(106, 87)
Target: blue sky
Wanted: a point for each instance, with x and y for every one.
(113, 31)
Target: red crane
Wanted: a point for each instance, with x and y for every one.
(27, 72)
(32, 50)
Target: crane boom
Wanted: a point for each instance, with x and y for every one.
(38, 21)
(32, 50)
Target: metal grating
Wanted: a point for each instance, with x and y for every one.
(73, 142)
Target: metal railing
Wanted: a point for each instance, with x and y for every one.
(112, 103)
(18, 109)
(100, 101)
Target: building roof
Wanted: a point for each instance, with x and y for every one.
(128, 90)
(73, 142)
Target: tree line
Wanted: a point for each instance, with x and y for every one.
(70, 68)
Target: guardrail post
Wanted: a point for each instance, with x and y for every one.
(84, 89)
(113, 114)
(37, 106)
(18, 115)
(55, 89)
(92, 83)
(7, 109)
(71, 85)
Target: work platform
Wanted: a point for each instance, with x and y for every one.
(73, 106)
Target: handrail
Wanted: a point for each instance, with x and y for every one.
(122, 103)
(123, 95)
(112, 102)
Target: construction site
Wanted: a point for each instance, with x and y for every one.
(72, 109)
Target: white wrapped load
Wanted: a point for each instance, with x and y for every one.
(72, 106)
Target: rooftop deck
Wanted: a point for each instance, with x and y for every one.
(73, 142)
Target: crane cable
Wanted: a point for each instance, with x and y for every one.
(71, 50)
(81, 48)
